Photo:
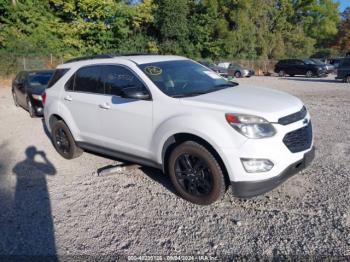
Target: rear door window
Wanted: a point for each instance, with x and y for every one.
(88, 80)
(117, 78)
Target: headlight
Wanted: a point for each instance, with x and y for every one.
(251, 126)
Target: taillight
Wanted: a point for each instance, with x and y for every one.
(43, 96)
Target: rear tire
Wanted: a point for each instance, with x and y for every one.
(238, 74)
(309, 74)
(196, 173)
(63, 141)
(281, 73)
(292, 75)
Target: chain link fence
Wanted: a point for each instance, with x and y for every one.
(10, 66)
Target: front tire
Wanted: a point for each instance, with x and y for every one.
(347, 79)
(14, 98)
(196, 174)
(63, 141)
(281, 73)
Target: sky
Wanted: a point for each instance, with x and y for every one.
(343, 4)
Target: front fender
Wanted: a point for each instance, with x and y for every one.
(217, 133)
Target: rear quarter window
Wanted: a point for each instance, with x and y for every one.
(57, 75)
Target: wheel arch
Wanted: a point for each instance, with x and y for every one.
(53, 118)
(179, 138)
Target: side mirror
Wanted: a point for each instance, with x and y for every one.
(136, 93)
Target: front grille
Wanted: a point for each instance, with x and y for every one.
(286, 120)
(299, 140)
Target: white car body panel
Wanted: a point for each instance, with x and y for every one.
(141, 128)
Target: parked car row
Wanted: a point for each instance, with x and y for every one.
(172, 113)
(314, 68)
(306, 67)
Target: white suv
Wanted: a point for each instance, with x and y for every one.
(174, 114)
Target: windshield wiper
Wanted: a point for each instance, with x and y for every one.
(192, 94)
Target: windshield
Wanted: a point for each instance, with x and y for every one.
(184, 78)
(309, 62)
(39, 79)
(318, 62)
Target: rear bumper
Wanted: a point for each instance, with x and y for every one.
(246, 189)
(38, 107)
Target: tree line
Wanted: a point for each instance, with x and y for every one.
(208, 29)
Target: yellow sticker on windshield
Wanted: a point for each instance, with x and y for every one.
(153, 70)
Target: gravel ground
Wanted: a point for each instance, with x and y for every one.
(50, 205)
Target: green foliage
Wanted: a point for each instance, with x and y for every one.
(213, 29)
(342, 41)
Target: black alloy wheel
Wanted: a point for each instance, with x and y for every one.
(194, 175)
(62, 141)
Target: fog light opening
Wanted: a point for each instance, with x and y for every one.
(252, 165)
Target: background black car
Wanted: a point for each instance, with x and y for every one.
(294, 67)
(335, 62)
(27, 89)
(323, 62)
(344, 70)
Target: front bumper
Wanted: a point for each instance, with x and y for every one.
(246, 189)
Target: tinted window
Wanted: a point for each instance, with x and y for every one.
(309, 62)
(21, 77)
(56, 76)
(36, 79)
(283, 62)
(116, 78)
(88, 79)
(346, 62)
(18, 76)
(69, 86)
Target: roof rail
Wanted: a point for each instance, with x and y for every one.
(82, 58)
(102, 56)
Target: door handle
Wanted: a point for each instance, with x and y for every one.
(105, 106)
(68, 98)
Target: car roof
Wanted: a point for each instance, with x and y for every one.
(38, 71)
(137, 59)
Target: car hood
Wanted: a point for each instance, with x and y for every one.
(244, 99)
(37, 90)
